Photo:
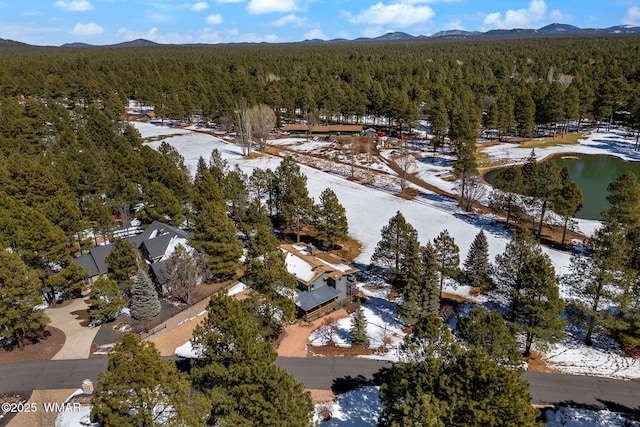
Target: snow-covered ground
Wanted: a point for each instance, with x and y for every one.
(384, 328)
(360, 408)
(369, 208)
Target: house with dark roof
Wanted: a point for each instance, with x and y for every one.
(325, 282)
(156, 244)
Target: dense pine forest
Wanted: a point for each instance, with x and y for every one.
(70, 162)
(515, 83)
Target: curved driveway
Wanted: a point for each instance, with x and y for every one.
(322, 373)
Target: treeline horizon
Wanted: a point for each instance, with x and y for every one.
(509, 85)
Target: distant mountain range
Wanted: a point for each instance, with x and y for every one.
(515, 33)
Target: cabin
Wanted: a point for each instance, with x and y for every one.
(156, 244)
(325, 282)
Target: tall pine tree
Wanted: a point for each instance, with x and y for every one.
(358, 331)
(537, 306)
(330, 219)
(105, 299)
(20, 291)
(421, 296)
(215, 235)
(398, 248)
(236, 372)
(139, 388)
(267, 274)
(447, 256)
(291, 196)
(477, 269)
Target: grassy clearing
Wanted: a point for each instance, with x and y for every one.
(568, 139)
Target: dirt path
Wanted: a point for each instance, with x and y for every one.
(294, 344)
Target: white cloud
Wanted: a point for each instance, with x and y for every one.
(200, 6)
(74, 5)
(230, 1)
(269, 6)
(214, 19)
(633, 16)
(521, 18)
(397, 14)
(290, 19)
(316, 33)
(90, 29)
(557, 16)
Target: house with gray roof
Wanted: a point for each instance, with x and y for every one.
(325, 282)
(156, 243)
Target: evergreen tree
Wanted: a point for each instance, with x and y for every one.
(235, 371)
(440, 384)
(595, 277)
(547, 185)
(482, 393)
(524, 113)
(291, 196)
(267, 274)
(488, 331)
(447, 256)
(358, 331)
(509, 181)
(20, 294)
(145, 304)
(256, 216)
(568, 200)
(70, 280)
(624, 211)
(529, 174)
(141, 389)
(508, 264)
(105, 299)
(215, 236)
(420, 296)
(235, 191)
(330, 219)
(477, 268)
(465, 168)
(161, 205)
(185, 271)
(537, 304)
(122, 264)
(624, 200)
(398, 248)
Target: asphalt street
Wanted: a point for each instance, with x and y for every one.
(340, 374)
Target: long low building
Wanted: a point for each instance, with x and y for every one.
(301, 129)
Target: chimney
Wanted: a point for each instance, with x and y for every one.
(311, 249)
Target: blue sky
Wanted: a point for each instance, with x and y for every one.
(55, 22)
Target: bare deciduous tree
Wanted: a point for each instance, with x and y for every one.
(262, 120)
(471, 189)
(243, 126)
(185, 271)
(406, 164)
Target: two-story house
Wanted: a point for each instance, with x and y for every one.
(325, 282)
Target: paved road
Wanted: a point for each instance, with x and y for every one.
(325, 373)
